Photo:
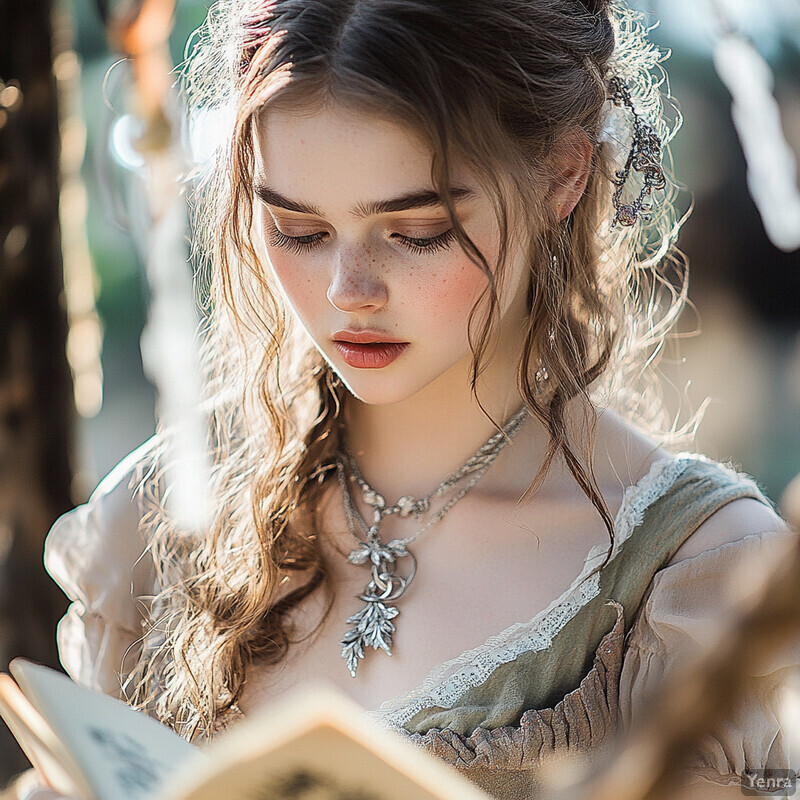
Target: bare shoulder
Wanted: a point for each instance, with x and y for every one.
(624, 454)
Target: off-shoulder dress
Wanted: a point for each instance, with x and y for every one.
(563, 682)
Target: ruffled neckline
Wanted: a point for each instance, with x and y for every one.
(448, 681)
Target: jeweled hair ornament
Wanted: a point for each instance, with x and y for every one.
(645, 157)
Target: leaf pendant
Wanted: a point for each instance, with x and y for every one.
(373, 627)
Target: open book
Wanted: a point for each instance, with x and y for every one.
(312, 743)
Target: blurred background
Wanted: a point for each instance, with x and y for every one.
(745, 291)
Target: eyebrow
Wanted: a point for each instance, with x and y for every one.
(423, 198)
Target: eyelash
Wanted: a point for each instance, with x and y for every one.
(304, 244)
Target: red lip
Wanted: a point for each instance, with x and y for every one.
(374, 355)
(365, 336)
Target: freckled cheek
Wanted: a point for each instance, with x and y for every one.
(451, 294)
(296, 279)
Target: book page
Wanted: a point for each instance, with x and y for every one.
(315, 744)
(122, 754)
(38, 741)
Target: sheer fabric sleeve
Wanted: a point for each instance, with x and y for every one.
(680, 615)
(96, 554)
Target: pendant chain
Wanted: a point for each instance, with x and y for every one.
(373, 624)
(406, 506)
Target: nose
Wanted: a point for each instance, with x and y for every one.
(358, 282)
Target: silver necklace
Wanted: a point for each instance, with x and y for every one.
(372, 625)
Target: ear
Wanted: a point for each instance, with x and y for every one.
(572, 163)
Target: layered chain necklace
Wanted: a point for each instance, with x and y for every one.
(372, 625)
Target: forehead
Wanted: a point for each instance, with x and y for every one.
(334, 156)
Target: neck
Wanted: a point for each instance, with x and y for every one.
(408, 448)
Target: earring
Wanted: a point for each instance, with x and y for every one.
(542, 375)
(645, 157)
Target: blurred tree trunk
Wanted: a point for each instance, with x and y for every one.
(36, 405)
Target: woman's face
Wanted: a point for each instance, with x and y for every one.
(360, 244)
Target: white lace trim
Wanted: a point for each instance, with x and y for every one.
(448, 682)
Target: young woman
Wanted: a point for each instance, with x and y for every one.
(439, 246)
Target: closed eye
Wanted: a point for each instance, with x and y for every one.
(305, 244)
(294, 244)
(429, 244)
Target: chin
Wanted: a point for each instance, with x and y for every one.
(380, 387)
(376, 390)
(400, 381)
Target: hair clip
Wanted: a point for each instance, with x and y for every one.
(645, 157)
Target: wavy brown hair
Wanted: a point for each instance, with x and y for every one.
(507, 88)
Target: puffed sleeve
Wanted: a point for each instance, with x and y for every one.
(96, 554)
(681, 613)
